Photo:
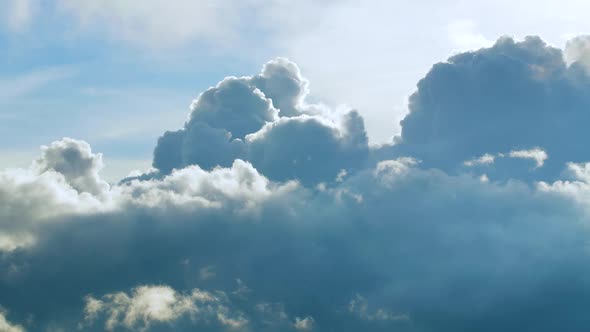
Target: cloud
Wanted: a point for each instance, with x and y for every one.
(75, 161)
(303, 324)
(7, 326)
(511, 96)
(577, 51)
(452, 236)
(483, 160)
(265, 119)
(259, 220)
(536, 154)
(149, 305)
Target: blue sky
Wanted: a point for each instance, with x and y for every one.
(279, 166)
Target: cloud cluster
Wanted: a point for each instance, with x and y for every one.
(148, 305)
(265, 119)
(267, 213)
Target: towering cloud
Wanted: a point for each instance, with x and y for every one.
(512, 96)
(264, 119)
(267, 213)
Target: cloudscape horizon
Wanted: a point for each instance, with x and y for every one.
(268, 208)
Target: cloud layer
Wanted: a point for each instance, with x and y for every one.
(266, 212)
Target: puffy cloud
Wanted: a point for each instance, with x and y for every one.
(577, 51)
(63, 181)
(483, 160)
(401, 238)
(150, 305)
(304, 324)
(511, 96)
(309, 149)
(6, 326)
(75, 161)
(264, 119)
(417, 238)
(282, 82)
(536, 154)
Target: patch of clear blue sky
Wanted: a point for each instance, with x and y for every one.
(59, 81)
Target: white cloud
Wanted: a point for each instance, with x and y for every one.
(390, 45)
(536, 154)
(149, 305)
(6, 326)
(304, 324)
(65, 181)
(578, 50)
(486, 159)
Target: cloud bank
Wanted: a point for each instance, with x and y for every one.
(267, 212)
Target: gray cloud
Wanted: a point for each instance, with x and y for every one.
(303, 227)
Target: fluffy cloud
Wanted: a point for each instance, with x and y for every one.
(264, 119)
(303, 226)
(577, 51)
(63, 181)
(512, 96)
(149, 305)
(6, 326)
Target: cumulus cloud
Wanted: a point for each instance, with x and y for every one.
(148, 305)
(260, 219)
(63, 181)
(264, 119)
(510, 96)
(536, 154)
(303, 324)
(577, 51)
(75, 161)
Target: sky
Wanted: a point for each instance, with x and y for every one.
(294, 166)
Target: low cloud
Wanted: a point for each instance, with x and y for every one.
(269, 213)
(150, 305)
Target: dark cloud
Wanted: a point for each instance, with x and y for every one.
(269, 214)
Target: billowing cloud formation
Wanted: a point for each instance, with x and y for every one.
(303, 227)
(512, 96)
(264, 119)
